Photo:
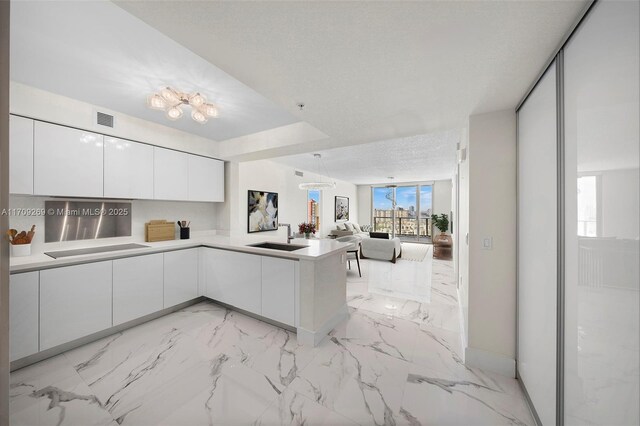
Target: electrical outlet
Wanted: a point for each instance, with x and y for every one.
(487, 243)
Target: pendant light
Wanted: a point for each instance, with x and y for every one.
(320, 184)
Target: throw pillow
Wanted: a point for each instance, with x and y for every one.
(348, 227)
(357, 228)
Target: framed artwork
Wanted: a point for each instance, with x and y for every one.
(262, 211)
(342, 209)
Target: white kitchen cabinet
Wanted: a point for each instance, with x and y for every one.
(23, 314)
(137, 287)
(75, 301)
(170, 175)
(180, 276)
(206, 179)
(128, 169)
(278, 289)
(234, 278)
(67, 161)
(20, 155)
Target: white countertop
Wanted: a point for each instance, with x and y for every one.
(316, 249)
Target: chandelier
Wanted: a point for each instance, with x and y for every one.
(171, 101)
(319, 185)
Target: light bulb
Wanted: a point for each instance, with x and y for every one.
(169, 95)
(198, 116)
(210, 110)
(174, 113)
(156, 102)
(196, 100)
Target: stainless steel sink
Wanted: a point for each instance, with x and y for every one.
(278, 246)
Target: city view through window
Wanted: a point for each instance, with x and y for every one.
(313, 208)
(413, 207)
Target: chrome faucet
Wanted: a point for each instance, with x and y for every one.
(289, 234)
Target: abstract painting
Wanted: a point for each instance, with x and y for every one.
(262, 211)
(342, 208)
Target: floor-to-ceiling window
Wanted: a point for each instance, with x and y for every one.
(404, 211)
(313, 207)
(406, 214)
(383, 199)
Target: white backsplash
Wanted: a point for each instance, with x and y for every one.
(201, 215)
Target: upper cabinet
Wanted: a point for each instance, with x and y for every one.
(170, 175)
(128, 169)
(188, 177)
(67, 162)
(206, 179)
(52, 160)
(20, 155)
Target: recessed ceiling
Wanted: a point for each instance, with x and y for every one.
(371, 71)
(96, 52)
(366, 71)
(410, 159)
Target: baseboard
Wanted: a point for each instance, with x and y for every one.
(532, 408)
(463, 331)
(57, 350)
(490, 361)
(313, 338)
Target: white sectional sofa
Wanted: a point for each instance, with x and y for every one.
(381, 249)
(348, 228)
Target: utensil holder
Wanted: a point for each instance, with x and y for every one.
(184, 233)
(18, 250)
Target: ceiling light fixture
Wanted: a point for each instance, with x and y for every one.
(171, 101)
(320, 184)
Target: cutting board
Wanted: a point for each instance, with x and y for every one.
(159, 230)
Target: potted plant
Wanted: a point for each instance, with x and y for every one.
(442, 243)
(307, 229)
(441, 222)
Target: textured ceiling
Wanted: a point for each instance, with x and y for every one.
(366, 71)
(371, 71)
(410, 159)
(98, 53)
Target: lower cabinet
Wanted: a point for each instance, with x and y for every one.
(75, 301)
(23, 320)
(180, 276)
(55, 306)
(137, 287)
(278, 290)
(233, 278)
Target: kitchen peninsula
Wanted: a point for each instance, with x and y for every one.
(71, 300)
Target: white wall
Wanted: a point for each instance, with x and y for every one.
(201, 215)
(42, 105)
(266, 175)
(364, 205)
(492, 273)
(461, 235)
(442, 199)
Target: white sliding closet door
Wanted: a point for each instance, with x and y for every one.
(602, 366)
(537, 245)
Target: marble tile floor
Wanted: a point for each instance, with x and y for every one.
(207, 365)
